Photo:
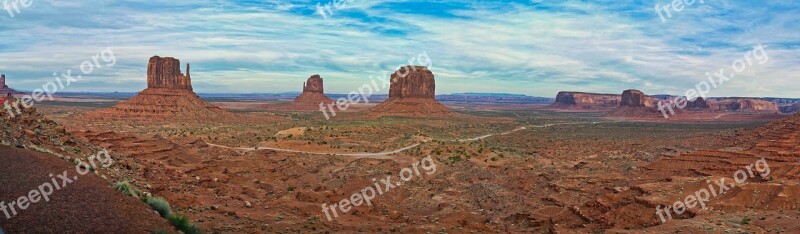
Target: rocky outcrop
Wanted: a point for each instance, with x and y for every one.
(743, 105)
(698, 103)
(412, 93)
(166, 73)
(635, 104)
(168, 96)
(794, 108)
(585, 101)
(313, 94)
(4, 89)
(635, 98)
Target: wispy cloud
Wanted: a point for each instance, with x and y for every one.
(532, 47)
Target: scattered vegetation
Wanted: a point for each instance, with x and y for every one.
(125, 188)
(159, 204)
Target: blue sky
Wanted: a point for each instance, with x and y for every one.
(535, 47)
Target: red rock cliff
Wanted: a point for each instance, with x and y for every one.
(313, 85)
(580, 100)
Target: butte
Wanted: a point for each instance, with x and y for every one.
(168, 96)
(411, 94)
(4, 89)
(312, 95)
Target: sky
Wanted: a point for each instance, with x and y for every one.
(533, 47)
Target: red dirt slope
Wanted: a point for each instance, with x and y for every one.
(87, 205)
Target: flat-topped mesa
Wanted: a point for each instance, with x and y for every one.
(743, 105)
(585, 101)
(413, 82)
(313, 85)
(165, 73)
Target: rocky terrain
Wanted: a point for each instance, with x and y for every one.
(586, 101)
(412, 95)
(313, 94)
(168, 96)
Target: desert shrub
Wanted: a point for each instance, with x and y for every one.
(182, 224)
(125, 188)
(160, 205)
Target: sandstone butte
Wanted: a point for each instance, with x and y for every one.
(168, 95)
(412, 93)
(313, 94)
(4, 89)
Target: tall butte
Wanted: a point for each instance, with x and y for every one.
(412, 94)
(168, 96)
(4, 89)
(313, 94)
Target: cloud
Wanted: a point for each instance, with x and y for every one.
(531, 47)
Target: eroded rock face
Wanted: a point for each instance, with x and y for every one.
(166, 73)
(313, 94)
(411, 94)
(634, 97)
(413, 82)
(580, 100)
(3, 81)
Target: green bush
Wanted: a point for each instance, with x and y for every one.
(182, 224)
(160, 205)
(125, 188)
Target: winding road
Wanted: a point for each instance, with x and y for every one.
(386, 154)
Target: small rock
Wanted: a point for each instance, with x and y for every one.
(247, 203)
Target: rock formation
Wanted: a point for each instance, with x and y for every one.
(635, 98)
(166, 73)
(412, 94)
(636, 104)
(794, 108)
(743, 105)
(4, 89)
(313, 94)
(699, 103)
(168, 95)
(585, 101)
